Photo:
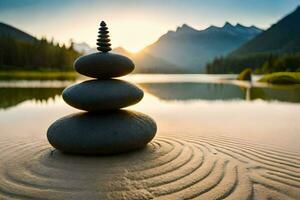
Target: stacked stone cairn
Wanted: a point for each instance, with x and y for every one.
(105, 128)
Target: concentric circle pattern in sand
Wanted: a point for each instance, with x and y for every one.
(185, 168)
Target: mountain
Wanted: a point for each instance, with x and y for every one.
(25, 52)
(146, 63)
(275, 49)
(191, 49)
(10, 31)
(82, 47)
(185, 50)
(282, 37)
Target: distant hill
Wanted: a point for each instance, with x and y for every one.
(21, 51)
(146, 63)
(191, 49)
(10, 31)
(282, 37)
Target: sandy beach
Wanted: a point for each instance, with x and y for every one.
(191, 167)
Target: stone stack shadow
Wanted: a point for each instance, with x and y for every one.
(105, 128)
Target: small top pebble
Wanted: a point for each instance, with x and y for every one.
(103, 65)
(103, 38)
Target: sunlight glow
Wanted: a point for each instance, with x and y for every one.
(133, 24)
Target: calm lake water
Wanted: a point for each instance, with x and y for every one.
(201, 105)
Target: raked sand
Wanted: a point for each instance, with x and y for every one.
(188, 167)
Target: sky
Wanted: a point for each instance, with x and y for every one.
(134, 24)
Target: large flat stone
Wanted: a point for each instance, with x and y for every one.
(101, 133)
(96, 95)
(103, 65)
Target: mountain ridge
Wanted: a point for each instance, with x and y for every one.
(7, 30)
(283, 36)
(274, 50)
(146, 63)
(191, 49)
(149, 62)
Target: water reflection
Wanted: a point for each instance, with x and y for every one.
(279, 93)
(216, 108)
(168, 91)
(12, 96)
(219, 91)
(193, 91)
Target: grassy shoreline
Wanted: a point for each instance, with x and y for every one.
(282, 78)
(38, 75)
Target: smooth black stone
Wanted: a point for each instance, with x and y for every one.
(102, 23)
(103, 28)
(103, 31)
(104, 49)
(103, 40)
(101, 133)
(97, 95)
(103, 65)
(103, 36)
(103, 44)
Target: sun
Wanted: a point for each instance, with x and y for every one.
(136, 36)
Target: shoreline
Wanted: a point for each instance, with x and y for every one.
(38, 75)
